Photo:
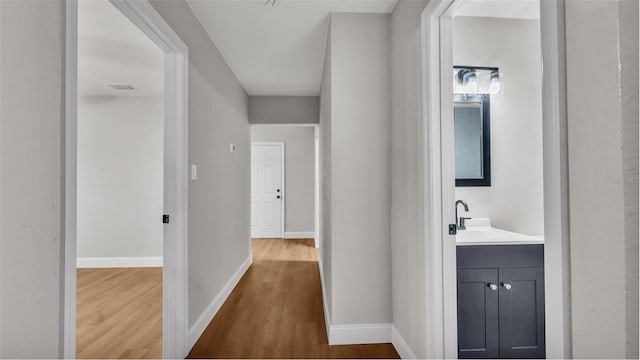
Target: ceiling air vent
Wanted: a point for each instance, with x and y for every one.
(121, 86)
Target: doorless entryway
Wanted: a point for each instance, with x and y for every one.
(174, 174)
(440, 248)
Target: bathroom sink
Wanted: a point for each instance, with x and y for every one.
(480, 232)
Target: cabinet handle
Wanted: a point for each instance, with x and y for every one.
(493, 287)
(506, 286)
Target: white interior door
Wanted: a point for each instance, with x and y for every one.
(267, 190)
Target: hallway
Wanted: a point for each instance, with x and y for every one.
(276, 311)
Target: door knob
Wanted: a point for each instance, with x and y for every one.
(506, 286)
(493, 287)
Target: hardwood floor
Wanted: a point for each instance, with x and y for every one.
(119, 313)
(276, 311)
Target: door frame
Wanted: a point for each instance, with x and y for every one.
(440, 250)
(282, 174)
(175, 261)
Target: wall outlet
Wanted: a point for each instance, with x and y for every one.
(194, 172)
(232, 147)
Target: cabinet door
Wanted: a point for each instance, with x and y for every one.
(522, 313)
(477, 313)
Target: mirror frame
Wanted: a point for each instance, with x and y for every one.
(484, 100)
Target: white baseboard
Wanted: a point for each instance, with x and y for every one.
(118, 262)
(351, 334)
(327, 320)
(401, 346)
(299, 235)
(360, 334)
(196, 330)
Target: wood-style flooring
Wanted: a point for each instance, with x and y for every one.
(119, 313)
(276, 311)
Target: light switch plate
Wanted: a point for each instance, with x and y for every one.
(194, 172)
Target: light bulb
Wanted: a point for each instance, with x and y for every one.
(495, 87)
(471, 86)
(495, 83)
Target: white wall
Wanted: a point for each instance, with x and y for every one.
(514, 201)
(284, 109)
(602, 106)
(407, 245)
(299, 163)
(120, 176)
(360, 169)
(31, 179)
(219, 214)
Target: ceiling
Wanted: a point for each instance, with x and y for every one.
(112, 50)
(272, 50)
(512, 9)
(276, 50)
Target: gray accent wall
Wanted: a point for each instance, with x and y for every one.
(407, 180)
(31, 216)
(602, 107)
(359, 169)
(325, 179)
(284, 109)
(219, 214)
(299, 177)
(629, 43)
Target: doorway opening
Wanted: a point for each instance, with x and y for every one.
(125, 182)
(120, 196)
(284, 182)
(443, 77)
(497, 123)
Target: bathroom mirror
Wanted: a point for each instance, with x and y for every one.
(472, 140)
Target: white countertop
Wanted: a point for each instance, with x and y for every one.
(487, 235)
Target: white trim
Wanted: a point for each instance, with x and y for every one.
(175, 312)
(327, 317)
(299, 235)
(401, 346)
(118, 262)
(556, 184)
(434, 269)
(286, 124)
(316, 186)
(283, 189)
(360, 334)
(70, 177)
(267, 143)
(440, 311)
(196, 330)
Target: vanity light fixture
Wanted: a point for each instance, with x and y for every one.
(473, 80)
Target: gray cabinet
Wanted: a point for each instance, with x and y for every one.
(501, 301)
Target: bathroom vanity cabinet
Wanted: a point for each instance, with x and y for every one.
(501, 301)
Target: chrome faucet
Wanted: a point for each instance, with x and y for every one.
(460, 220)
